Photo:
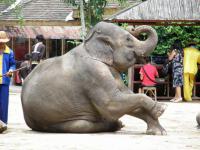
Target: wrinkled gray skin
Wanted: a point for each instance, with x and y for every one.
(198, 119)
(82, 92)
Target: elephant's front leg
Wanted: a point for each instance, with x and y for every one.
(153, 125)
(159, 108)
(113, 101)
(124, 103)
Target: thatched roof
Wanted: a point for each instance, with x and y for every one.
(40, 10)
(46, 9)
(158, 10)
(49, 32)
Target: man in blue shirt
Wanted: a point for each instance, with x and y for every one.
(7, 65)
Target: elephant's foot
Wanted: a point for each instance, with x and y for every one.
(158, 109)
(3, 127)
(155, 129)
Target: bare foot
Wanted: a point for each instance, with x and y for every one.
(158, 109)
(3, 127)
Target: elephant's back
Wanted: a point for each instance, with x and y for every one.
(54, 95)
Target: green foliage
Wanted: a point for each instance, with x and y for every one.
(168, 34)
(7, 1)
(20, 17)
(124, 77)
(124, 26)
(74, 42)
(16, 11)
(71, 2)
(93, 9)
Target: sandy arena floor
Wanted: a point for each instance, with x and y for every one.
(179, 121)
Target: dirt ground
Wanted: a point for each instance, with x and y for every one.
(179, 121)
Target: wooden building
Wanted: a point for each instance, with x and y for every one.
(159, 12)
(45, 17)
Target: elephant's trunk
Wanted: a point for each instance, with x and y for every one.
(144, 48)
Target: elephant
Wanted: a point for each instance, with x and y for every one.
(82, 92)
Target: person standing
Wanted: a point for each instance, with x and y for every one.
(7, 65)
(176, 57)
(191, 58)
(26, 67)
(38, 51)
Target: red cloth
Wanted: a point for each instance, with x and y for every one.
(17, 79)
(152, 73)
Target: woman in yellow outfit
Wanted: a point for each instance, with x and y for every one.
(191, 58)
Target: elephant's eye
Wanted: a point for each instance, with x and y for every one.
(129, 46)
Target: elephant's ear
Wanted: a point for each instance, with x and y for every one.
(100, 47)
(106, 39)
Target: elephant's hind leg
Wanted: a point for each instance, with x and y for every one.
(84, 126)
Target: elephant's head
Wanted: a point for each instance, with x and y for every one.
(117, 47)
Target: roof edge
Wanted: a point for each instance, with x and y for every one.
(125, 9)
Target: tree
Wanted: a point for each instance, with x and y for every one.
(15, 7)
(168, 34)
(92, 10)
(7, 1)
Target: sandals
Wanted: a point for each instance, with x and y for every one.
(176, 100)
(172, 100)
(3, 127)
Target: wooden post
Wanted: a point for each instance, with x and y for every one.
(194, 89)
(47, 48)
(66, 47)
(62, 46)
(12, 44)
(130, 75)
(168, 86)
(29, 45)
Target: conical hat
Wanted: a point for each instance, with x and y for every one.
(3, 37)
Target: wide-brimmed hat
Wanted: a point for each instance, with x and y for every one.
(3, 37)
